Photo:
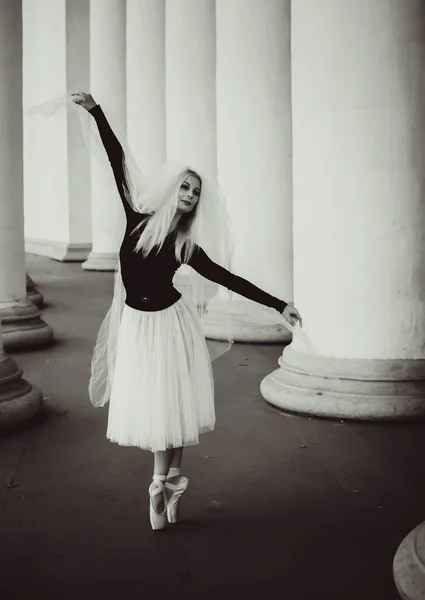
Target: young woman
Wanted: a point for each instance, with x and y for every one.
(162, 391)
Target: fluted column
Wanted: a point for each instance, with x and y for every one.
(254, 157)
(108, 84)
(359, 213)
(21, 322)
(146, 81)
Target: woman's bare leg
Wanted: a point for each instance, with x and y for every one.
(176, 458)
(162, 462)
(173, 493)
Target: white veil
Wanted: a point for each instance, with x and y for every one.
(156, 193)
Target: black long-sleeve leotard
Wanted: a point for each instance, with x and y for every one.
(148, 281)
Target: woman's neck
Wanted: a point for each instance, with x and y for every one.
(174, 223)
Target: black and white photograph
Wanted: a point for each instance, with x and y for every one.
(212, 299)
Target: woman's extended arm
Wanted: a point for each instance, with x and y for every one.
(214, 272)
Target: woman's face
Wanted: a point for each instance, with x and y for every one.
(189, 194)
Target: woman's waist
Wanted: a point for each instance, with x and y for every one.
(152, 300)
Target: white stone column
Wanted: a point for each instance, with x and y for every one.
(190, 57)
(254, 156)
(359, 212)
(56, 172)
(146, 82)
(108, 87)
(21, 322)
(190, 83)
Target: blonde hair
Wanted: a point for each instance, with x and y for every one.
(158, 223)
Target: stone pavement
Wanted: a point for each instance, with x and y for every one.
(304, 508)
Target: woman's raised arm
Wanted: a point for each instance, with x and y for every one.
(110, 142)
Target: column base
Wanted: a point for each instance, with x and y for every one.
(409, 565)
(59, 251)
(33, 294)
(36, 298)
(370, 390)
(23, 328)
(20, 402)
(264, 331)
(99, 261)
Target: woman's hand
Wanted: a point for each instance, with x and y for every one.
(84, 100)
(292, 315)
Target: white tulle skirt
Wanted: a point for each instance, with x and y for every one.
(162, 393)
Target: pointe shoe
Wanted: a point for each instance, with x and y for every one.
(158, 520)
(174, 492)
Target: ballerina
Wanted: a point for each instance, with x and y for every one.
(162, 391)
